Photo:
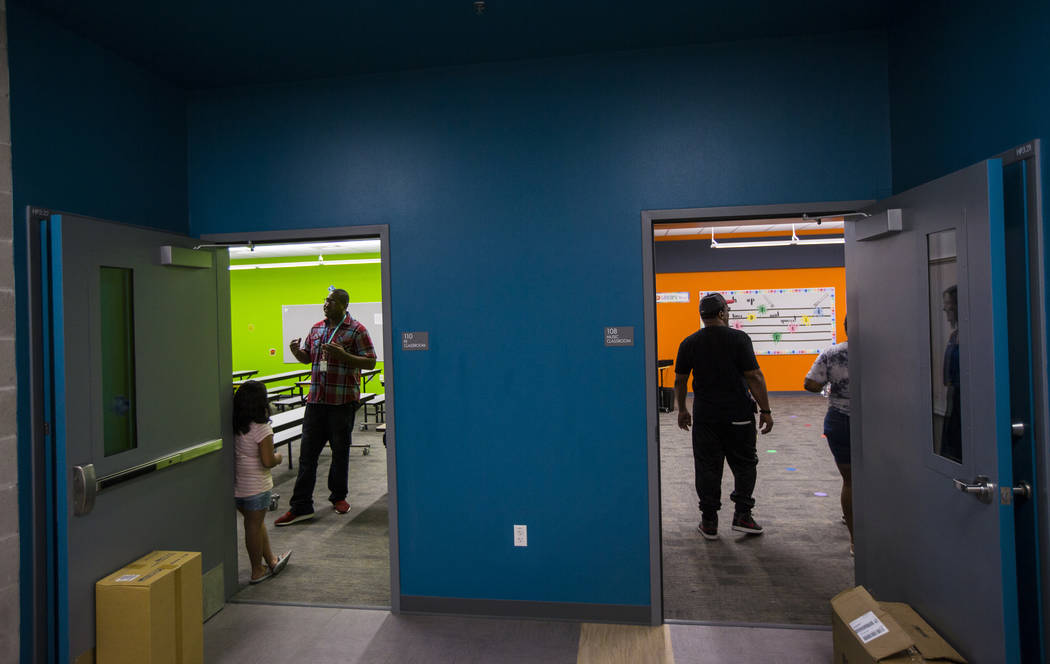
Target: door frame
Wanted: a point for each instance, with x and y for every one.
(712, 216)
(1038, 305)
(382, 231)
(36, 568)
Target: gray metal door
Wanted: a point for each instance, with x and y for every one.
(136, 400)
(931, 429)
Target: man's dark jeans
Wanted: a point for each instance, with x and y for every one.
(323, 423)
(715, 443)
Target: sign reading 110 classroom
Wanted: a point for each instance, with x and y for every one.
(784, 321)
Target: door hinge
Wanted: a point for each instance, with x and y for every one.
(47, 429)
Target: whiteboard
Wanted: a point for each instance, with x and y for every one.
(297, 319)
(784, 321)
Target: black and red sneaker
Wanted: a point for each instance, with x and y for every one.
(743, 523)
(709, 526)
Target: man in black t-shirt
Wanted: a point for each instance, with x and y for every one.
(727, 387)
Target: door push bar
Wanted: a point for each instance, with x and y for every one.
(86, 485)
(984, 490)
(981, 488)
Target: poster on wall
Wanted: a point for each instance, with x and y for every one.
(784, 321)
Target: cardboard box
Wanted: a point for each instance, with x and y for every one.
(866, 631)
(135, 617)
(189, 601)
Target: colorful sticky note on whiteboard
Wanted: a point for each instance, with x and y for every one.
(777, 336)
(792, 328)
(751, 316)
(761, 308)
(806, 320)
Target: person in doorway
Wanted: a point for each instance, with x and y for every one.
(728, 387)
(831, 370)
(951, 429)
(338, 347)
(253, 448)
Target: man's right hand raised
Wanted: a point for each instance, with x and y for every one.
(294, 345)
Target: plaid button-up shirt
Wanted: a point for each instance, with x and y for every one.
(340, 383)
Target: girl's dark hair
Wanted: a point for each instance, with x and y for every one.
(250, 404)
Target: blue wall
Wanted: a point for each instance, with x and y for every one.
(513, 194)
(967, 81)
(92, 133)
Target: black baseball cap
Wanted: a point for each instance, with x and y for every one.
(712, 303)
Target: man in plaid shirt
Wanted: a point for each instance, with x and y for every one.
(338, 348)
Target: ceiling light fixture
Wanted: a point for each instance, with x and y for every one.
(351, 261)
(775, 243)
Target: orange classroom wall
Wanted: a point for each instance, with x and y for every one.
(677, 320)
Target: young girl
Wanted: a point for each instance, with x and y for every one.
(255, 457)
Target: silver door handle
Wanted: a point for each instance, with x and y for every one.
(981, 488)
(1023, 489)
(84, 488)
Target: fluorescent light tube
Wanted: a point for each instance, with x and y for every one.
(756, 243)
(351, 261)
(775, 243)
(824, 240)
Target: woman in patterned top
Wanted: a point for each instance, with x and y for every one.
(831, 369)
(253, 446)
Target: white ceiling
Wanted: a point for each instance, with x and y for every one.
(312, 249)
(678, 229)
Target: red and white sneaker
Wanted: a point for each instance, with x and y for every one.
(291, 517)
(341, 506)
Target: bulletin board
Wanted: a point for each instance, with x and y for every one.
(297, 319)
(784, 321)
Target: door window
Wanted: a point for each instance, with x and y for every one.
(944, 344)
(118, 360)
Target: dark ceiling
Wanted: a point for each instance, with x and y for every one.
(211, 43)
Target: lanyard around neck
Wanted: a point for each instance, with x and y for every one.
(335, 330)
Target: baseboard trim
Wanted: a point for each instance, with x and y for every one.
(501, 608)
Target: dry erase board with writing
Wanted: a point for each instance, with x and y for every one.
(784, 321)
(297, 319)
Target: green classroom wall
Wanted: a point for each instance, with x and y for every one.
(256, 298)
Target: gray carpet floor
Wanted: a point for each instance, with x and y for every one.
(337, 560)
(788, 574)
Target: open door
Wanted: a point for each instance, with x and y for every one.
(938, 378)
(132, 366)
